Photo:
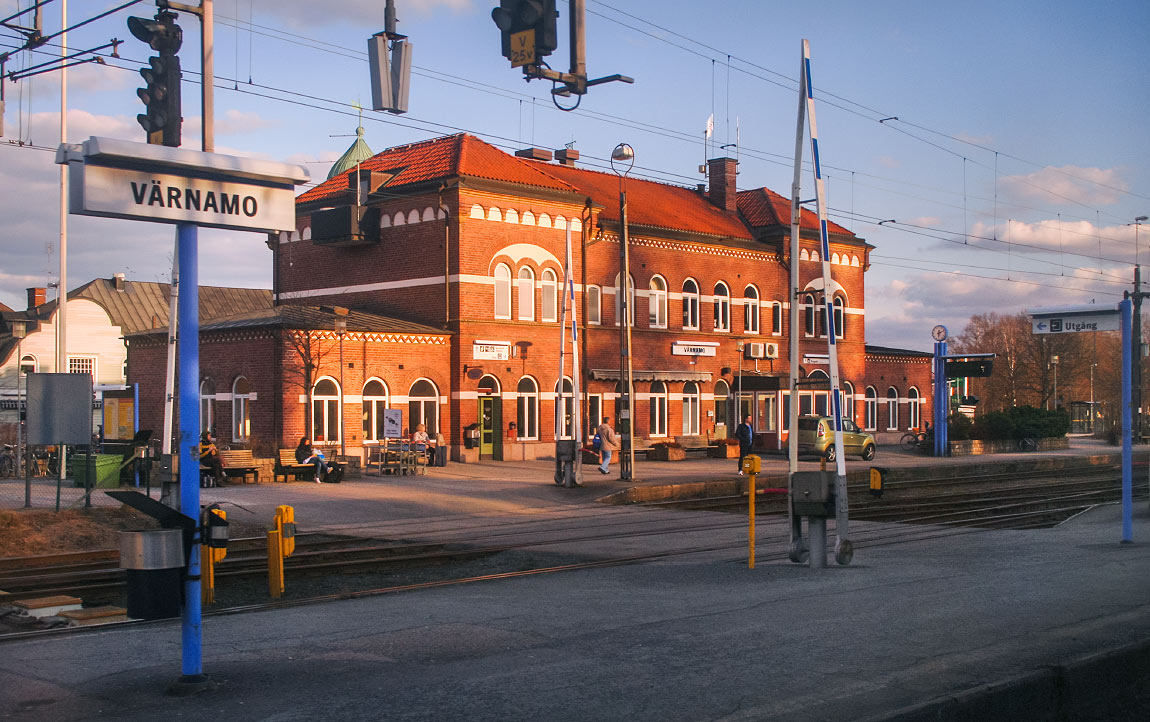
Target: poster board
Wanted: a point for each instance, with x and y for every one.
(393, 423)
(59, 409)
(119, 415)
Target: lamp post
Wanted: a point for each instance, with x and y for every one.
(622, 161)
(19, 331)
(1136, 335)
(340, 330)
(1054, 363)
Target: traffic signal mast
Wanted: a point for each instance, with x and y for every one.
(161, 97)
(529, 33)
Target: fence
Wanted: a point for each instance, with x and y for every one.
(81, 484)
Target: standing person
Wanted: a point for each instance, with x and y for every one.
(746, 438)
(304, 454)
(609, 444)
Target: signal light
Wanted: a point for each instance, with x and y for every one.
(516, 17)
(161, 96)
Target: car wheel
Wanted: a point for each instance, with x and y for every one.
(868, 452)
(830, 454)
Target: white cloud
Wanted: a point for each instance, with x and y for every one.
(889, 162)
(237, 122)
(1068, 184)
(1054, 236)
(367, 12)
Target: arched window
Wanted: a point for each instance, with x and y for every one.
(848, 396)
(325, 411)
(690, 305)
(527, 408)
(594, 305)
(502, 291)
(822, 308)
(751, 309)
(657, 302)
(658, 414)
(871, 409)
(821, 398)
(565, 409)
(423, 406)
(526, 294)
(892, 409)
(488, 386)
(722, 406)
(809, 312)
(840, 331)
(207, 403)
(690, 409)
(374, 404)
(913, 408)
(242, 398)
(28, 364)
(630, 301)
(776, 318)
(548, 288)
(722, 307)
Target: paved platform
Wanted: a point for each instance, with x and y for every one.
(914, 624)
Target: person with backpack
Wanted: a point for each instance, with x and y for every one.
(608, 444)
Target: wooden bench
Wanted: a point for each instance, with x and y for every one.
(236, 462)
(286, 466)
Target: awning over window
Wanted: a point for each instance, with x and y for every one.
(753, 382)
(639, 375)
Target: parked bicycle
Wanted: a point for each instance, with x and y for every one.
(918, 440)
(9, 464)
(1027, 443)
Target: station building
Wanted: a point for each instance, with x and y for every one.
(442, 264)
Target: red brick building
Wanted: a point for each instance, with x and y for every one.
(465, 244)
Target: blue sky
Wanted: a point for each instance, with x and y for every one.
(1013, 173)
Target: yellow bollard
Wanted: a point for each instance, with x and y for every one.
(275, 564)
(210, 556)
(751, 466)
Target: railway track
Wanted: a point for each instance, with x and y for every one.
(925, 509)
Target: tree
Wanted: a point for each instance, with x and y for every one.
(304, 355)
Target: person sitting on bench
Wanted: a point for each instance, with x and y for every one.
(210, 457)
(305, 455)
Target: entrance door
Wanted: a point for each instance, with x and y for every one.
(489, 424)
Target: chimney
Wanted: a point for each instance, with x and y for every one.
(118, 281)
(535, 154)
(567, 156)
(721, 175)
(36, 297)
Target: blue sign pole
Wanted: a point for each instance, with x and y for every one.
(188, 313)
(941, 399)
(1127, 424)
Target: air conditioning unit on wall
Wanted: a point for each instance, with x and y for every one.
(772, 350)
(754, 350)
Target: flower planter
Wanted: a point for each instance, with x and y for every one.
(666, 453)
(723, 451)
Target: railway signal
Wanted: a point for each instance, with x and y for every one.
(161, 96)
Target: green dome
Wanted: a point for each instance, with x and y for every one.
(353, 156)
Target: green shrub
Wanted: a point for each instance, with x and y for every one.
(1030, 422)
(959, 427)
(994, 426)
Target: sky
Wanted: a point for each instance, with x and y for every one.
(995, 154)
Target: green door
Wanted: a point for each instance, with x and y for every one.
(488, 427)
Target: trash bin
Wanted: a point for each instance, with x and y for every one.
(107, 468)
(154, 561)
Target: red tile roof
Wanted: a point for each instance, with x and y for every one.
(651, 204)
(763, 207)
(439, 159)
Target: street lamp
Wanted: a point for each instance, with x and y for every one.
(1136, 334)
(622, 161)
(19, 331)
(340, 330)
(1054, 363)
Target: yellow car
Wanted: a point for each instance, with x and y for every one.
(817, 436)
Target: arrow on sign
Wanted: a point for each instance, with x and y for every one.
(1041, 326)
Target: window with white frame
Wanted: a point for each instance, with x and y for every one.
(821, 398)
(565, 408)
(548, 288)
(82, 365)
(242, 397)
(690, 409)
(657, 302)
(913, 408)
(871, 409)
(374, 404)
(207, 403)
(630, 301)
(722, 406)
(722, 307)
(423, 406)
(526, 284)
(808, 300)
(594, 305)
(690, 305)
(325, 411)
(658, 414)
(594, 413)
(776, 318)
(527, 408)
(848, 396)
(502, 291)
(892, 409)
(28, 364)
(840, 331)
(751, 309)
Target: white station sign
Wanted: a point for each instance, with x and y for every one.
(490, 350)
(1074, 319)
(694, 348)
(137, 181)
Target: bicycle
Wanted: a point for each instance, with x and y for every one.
(8, 463)
(1027, 443)
(917, 441)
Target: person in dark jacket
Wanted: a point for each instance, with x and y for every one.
(210, 457)
(746, 437)
(304, 454)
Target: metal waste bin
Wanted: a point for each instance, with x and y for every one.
(154, 561)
